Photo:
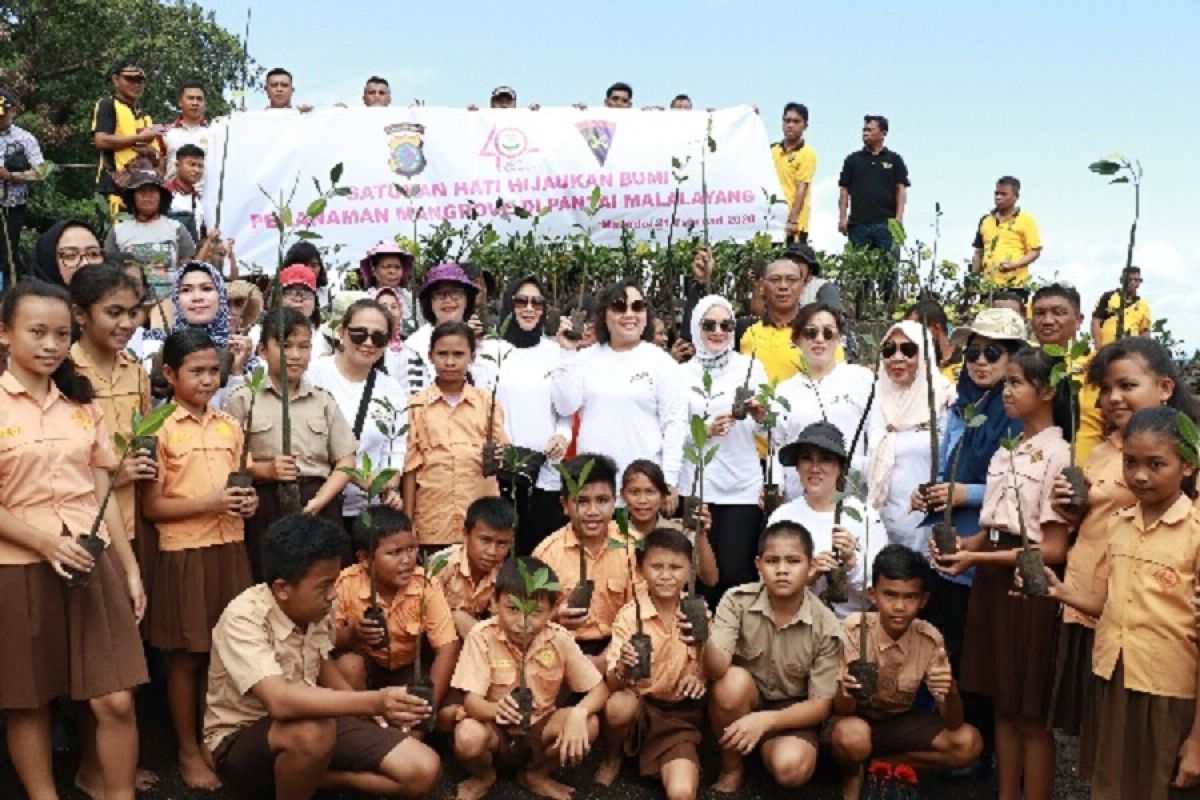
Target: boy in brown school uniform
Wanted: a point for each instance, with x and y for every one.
(469, 578)
(281, 719)
(489, 738)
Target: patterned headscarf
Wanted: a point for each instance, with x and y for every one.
(218, 328)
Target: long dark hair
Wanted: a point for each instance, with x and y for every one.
(90, 286)
(74, 387)
(1037, 365)
(1158, 361)
(1163, 421)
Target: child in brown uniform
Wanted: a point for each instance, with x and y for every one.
(469, 578)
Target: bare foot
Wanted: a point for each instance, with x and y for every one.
(476, 787)
(197, 774)
(852, 786)
(90, 786)
(606, 773)
(729, 781)
(146, 779)
(544, 786)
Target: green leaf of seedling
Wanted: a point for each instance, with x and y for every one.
(1104, 167)
(896, 229)
(1009, 443)
(1057, 373)
(977, 421)
(852, 513)
(150, 423)
(122, 444)
(1079, 348)
(1120, 179)
(675, 162)
(707, 380)
(1054, 350)
(316, 208)
(381, 480)
(342, 191)
(709, 456)
(382, 428)
(307, 235)
(699, 430)
(438, 565)
(783, 401)
(335, 174)
(287, 217)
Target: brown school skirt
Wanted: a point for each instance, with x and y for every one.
(270, 510)
(666, 732)
(1074, 682)
(191, 590)
(245, 762)
(1132, 754)
(58, 641)
(1009, 646)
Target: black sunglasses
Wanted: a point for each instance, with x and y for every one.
(993, 353)
(359, 336)
(710, 325)
(526, 300)
(907, 349)
(812, 332)
(621, 305)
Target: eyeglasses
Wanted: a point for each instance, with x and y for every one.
(359, 336)
(297, 293)
(621, 305)
(710, 325)
(811, 332)
(907, 349)
(70, 257)
(528, 300)
(780, 280)
(449, 294)
(993, 353)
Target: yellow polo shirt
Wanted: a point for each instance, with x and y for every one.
(795, 167)
(1137, 318)
(1007, 240)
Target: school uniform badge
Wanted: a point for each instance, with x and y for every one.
(547, 657)
(406, 153)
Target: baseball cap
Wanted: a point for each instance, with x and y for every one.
(128, 67)
(824, 435)
(8, 101)
(504, 90)
(298, 275)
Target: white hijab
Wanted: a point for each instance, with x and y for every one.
(710, 359)
(903, 408)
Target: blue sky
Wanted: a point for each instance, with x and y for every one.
(973, 91)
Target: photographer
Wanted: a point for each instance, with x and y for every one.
(19, 154)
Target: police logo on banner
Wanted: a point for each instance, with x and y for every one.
(406, 143)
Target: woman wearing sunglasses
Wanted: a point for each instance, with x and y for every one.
(527, 360)
(827, 389)
(733, 480)
(898, 430)
(630, 395)
(447, 295)
(353, 377)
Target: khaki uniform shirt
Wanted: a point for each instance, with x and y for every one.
(320, 434)
(800, 660)
(903, 663)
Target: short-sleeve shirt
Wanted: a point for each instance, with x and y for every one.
(195, 457)
(255, 640)
(1148, 621)
(320, 434)
(17, 140)
(1137, 317)
(48, 450)
(672, 659)
(800, 660)
(1006, 240)
(489, 662)
(158, 249)
(609, 570)
(118, 395)
(444, 449)
(114, 116)
(793, 168)
(1036, 461)
(404, 619)
(871, 180)
(903, 663)
(463, 592)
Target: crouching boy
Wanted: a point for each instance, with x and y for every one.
(659, 717)
(521, 635)
(774, 654)
(908, 651)
(281, 719)
(469, 579)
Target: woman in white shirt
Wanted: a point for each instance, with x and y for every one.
(629, 394)
(525, 361)
(899, 432)
(447, 295)
(830, 390)
(353, 377)
(733, 480)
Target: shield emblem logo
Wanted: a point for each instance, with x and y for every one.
(406, 154)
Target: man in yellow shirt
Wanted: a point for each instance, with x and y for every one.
(795, 163)
(121, 131)
(1007, 240)
(1137, 320)
(1056, 320)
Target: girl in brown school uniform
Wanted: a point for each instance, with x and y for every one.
(202, 562)
(1008, 651)
(56, 456)
(1142, 736)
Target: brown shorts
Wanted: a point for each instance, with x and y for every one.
(666, 732)
(245, 762)
(893, 734)
(593, 647)
(811, 735)
(514, 752)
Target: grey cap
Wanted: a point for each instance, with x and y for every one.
(824, 435)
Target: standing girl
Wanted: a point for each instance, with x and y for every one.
(1010, 641)
(1142, 736)
(322, 442)
(443, 469)
(1132, 373)
(202, 563)
(644, 492)
(55, 466)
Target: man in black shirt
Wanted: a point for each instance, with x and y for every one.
(873, 183)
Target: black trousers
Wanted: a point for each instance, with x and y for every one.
(539, 514)
(947, 611)
(734, 540)
(10, 242)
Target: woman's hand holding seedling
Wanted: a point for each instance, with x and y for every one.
(233, 500)
(64, 553)
(565, 331)
(721, 425)
(934, 497)
(953, 564)
(556, 448)
(846, 545)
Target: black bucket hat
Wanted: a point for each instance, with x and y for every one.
(802, 253)
(824, 435)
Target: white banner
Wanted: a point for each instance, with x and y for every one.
(551, 161)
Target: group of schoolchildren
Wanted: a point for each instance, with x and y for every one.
(311, 648)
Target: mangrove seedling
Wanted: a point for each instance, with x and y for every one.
(1115, 165)
(743, 394)
(534, 584)
(1030, 564)
(699, 454)
(945, 534)
(421, 686)
(579, 315)
(1061, 373)
(489, 454)
(241, 478)
(640, 639)
(837, 581)
(769, 399)
(581, 595)
(373, 484)
(864, 671)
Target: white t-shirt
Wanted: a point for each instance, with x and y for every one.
(324, 373)
(734, 476)
(820, 525)
(177, 137)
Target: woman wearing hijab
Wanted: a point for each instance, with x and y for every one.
(733, 480)
(66, 247)
(898, 430)
(525, 360)
(394, 303)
